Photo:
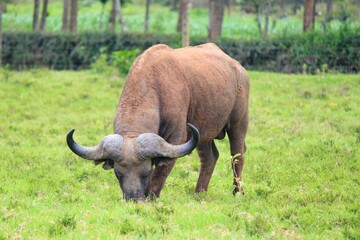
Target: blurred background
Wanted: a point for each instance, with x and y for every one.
(289, 36)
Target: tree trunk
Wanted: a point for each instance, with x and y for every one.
(182, 9)
(258, 17)
(73, 15)
(112, 17)
(228, 4)
(43, 15)
(174, 5)
(329, 10)
(267, 13)
(185, 25)
(101, 15)
(65, 16)
(282, 8)
(35, 25)
(146, 23)
(118, 13)
(296, 6)
(309, 15)
(216, 15)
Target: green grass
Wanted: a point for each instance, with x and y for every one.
(301, 174)
(162, 20)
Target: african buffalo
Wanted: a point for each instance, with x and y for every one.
(166, 89)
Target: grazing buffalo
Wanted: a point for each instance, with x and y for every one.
(166, 89)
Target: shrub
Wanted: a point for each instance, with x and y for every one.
(337, 50)
(124, 59)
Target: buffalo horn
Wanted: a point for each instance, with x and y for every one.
(151, 145)
(108, 148)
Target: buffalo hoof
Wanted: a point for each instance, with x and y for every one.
(238, 190)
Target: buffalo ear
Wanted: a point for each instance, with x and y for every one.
(108, 164)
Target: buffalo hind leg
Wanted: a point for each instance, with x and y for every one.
(237, 133)
(159, 175)
(208, 156)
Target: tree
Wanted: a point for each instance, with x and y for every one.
(185, 31)
(65, 17)
(35, 25)
(282, 8)
(112, 17)
(216, 15)
(103, 2)
(329, 10)
(260, 6)
(116, 13)
(296, 6)
(328, 16)
(147, 8)
(73, 15)
(174, 5)
(229, 5)
(43, 15)
(267, 13)
(120, 16)
(309, 15)
(182, 10)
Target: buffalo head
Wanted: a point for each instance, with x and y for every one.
(131, 158)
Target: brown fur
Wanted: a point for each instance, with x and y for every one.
(167, 88)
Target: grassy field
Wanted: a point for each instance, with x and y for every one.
(301, 174)
(236, 24)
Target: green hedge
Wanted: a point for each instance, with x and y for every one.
(338, 51)
(68, 51)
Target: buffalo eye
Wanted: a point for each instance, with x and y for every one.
(145, 175)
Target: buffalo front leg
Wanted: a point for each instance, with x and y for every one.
(159, 175)
(208, 156)
(237, 133)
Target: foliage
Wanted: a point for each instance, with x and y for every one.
(103, 2)
(124, 59)
(334, 49)
(162, 20)
(68, 51)
(301, 168)
(119, 60)
(337, 49)
(102, 65)
(346, 11)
